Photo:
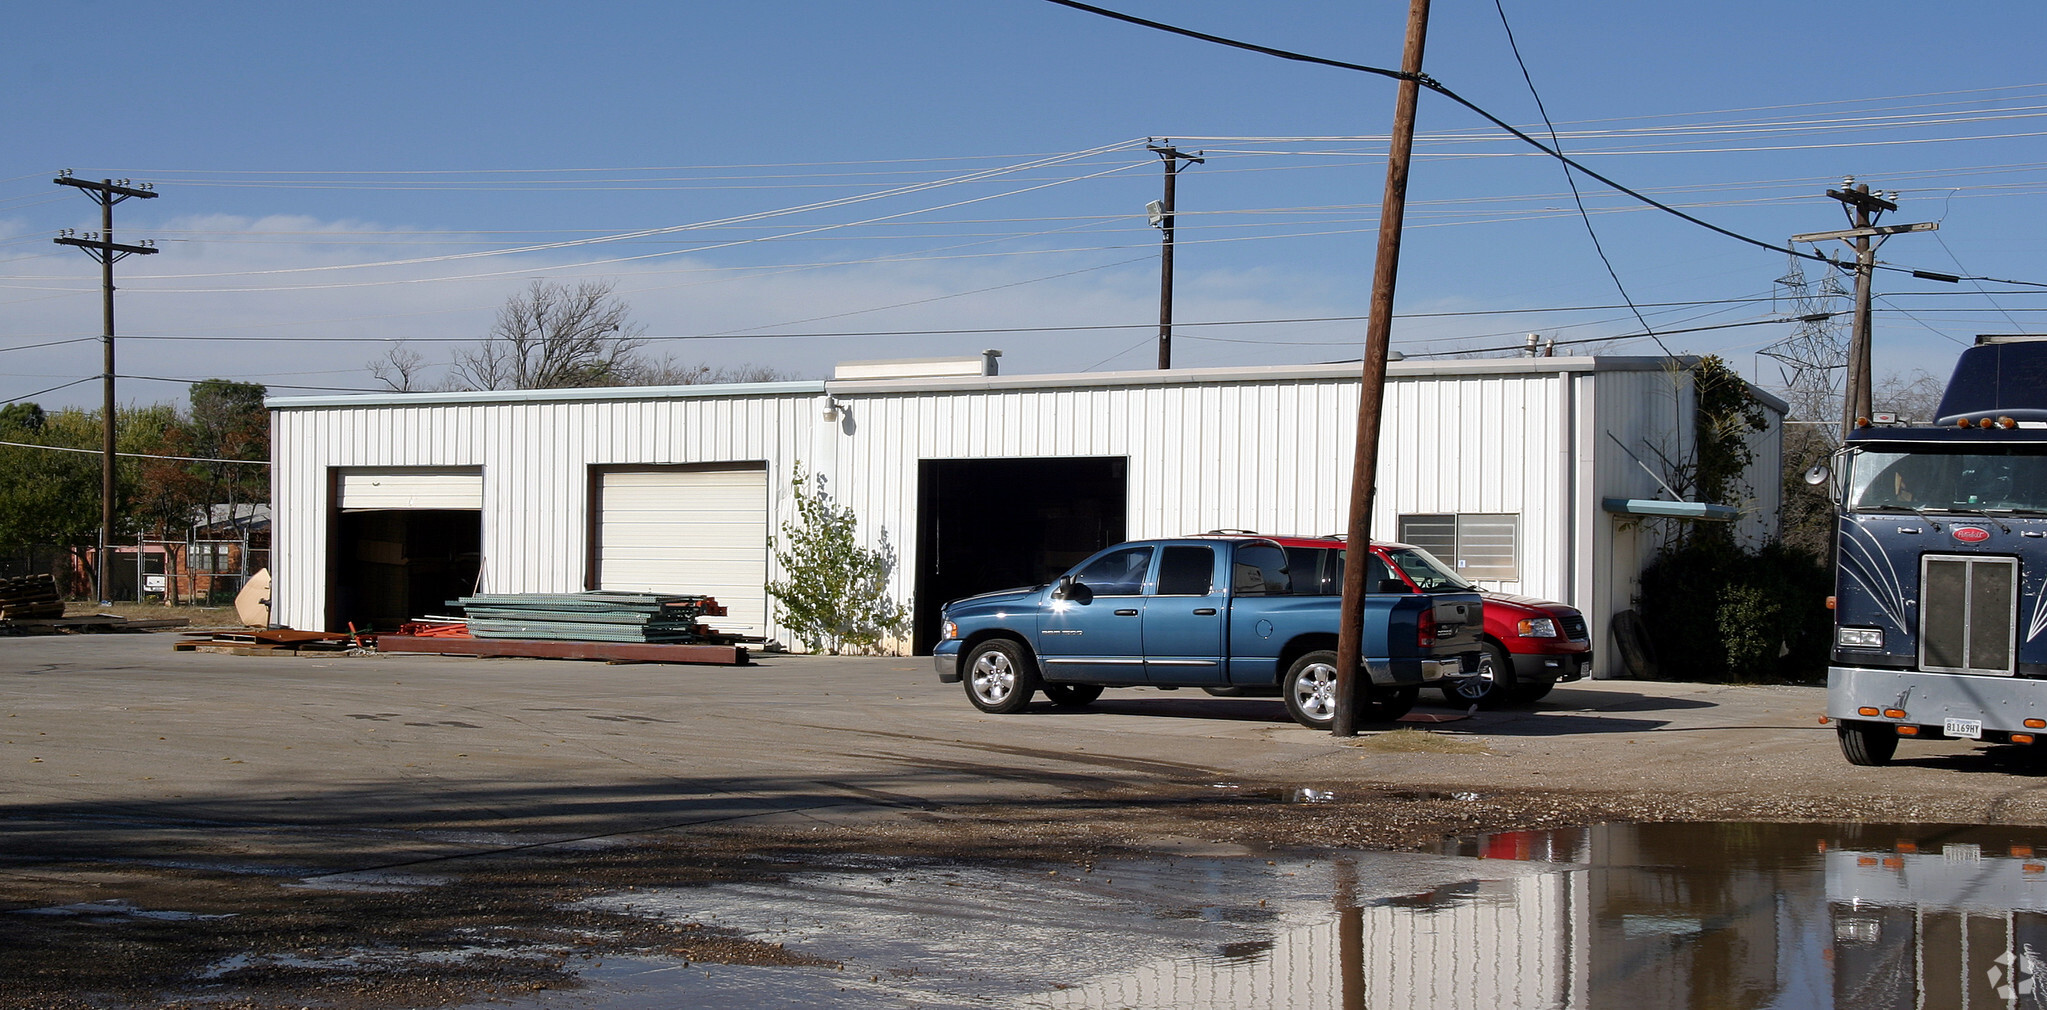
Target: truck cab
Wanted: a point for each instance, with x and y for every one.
(1940, 596)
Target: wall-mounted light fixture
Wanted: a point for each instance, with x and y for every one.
(833, 408)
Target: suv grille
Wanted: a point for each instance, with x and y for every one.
(1574, 627)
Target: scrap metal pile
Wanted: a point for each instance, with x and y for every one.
(592, 617)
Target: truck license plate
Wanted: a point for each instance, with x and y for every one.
(1966, 729)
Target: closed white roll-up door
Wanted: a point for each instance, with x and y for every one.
(700, 531)
(410, 488)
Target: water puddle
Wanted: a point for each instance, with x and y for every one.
(1663, 915)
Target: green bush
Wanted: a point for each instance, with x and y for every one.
(1715, 612)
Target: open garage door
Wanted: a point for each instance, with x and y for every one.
(403, 542)
(685, 529)
(985, 524)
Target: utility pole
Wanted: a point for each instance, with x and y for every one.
(1863, 208)
(1357, 552)
(1161, 214)
(101, 246)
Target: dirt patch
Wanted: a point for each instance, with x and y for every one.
(1421, 741)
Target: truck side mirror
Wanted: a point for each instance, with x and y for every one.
(1392, 586)
(1068, 589)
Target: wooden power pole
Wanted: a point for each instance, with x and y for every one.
(1864, 208)
(1162, 218)
(102, 247)
(1357, 554)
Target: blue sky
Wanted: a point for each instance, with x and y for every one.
(336, 178)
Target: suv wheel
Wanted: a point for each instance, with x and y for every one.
(1494, 685)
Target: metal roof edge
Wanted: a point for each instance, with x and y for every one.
(1247, 374)
(1405, 369)
(808, 387)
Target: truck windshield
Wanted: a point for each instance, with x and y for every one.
(1972, 480)
(1426, 572)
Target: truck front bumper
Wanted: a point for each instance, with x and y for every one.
(947, 662)
(1999, 704)
(1550, 667)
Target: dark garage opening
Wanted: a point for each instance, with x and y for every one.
(985, 524)
(391, 566)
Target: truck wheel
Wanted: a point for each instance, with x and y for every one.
(999, 679)
(1071, 695)
(1867, 743)
(1386, 704)
(1494, 686)
(1310, 689)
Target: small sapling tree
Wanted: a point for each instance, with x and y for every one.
(834, 592)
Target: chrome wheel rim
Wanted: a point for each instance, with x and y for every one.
(1476, 688)
(994, 679)
(1315, 692)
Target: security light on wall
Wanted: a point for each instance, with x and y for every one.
(833, 408)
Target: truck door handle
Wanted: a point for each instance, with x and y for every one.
(1126, 613)
(1204, 612)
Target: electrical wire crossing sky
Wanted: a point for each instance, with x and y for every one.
(819, 182)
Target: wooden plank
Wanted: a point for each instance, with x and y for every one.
(714, 655)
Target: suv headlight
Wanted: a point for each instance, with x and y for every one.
(948, 630)
(1537, 627)
(1859, 638)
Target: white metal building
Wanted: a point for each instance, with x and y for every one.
(389, 504)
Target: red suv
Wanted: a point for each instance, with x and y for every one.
(1530, 645)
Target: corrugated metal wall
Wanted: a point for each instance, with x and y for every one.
(535, 456)
(1262, 449)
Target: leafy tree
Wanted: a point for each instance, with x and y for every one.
(834, 593)
(21, 418)
(50, 497)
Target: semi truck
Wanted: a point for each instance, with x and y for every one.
(1940, 579)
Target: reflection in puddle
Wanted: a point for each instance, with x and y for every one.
(1661, 915)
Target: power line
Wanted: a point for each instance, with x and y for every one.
(139, 455)
(52, 389)
(1576, 197)
(1439, 88)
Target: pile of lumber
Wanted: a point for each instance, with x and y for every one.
(29, 596)
(592, 617)
(272, 642)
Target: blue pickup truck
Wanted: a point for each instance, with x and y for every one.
(1218, 612)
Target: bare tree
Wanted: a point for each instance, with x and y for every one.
(399, 368)
(1915, 396)
(669, 372)
(552, 336)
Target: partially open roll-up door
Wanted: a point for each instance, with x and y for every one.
(361, 490)
(700, 530)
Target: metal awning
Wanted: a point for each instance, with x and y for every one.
(1704, 511)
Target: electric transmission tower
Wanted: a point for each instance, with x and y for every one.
(1810, 358)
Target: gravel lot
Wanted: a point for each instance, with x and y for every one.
(196, 829)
